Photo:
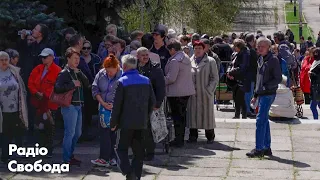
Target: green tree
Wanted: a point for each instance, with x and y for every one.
(17, 14)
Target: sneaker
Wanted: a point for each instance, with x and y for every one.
(267, 152)
(100, 162)
(113, 162)
(176, 144)
(210, 141)
(192, 140)
(255, 153)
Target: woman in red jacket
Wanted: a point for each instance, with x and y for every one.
(305, 83)
(41, 83)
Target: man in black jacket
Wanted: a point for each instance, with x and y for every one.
(133, 103)
(30, 59)
(154, 72)
(250, 40)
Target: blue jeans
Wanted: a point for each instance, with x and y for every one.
(263, 136)
(313, 107)
(72, 117)
(248, 97)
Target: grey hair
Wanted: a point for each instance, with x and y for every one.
(142, 49)
(264, 40)
(113, 26)
(130, 61)
(4, 54)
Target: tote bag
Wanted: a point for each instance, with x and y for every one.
(104, 116)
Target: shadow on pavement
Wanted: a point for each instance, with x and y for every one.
(287, 161)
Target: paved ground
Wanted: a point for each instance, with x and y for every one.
(266, 15)
(312, 15)
(295, 145)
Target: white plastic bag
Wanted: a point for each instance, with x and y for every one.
(158, 125)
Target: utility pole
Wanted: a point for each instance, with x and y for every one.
(142, 15)
(300, 22)
(295, 8)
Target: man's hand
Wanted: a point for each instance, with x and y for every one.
(230, 77)
(253, 100)
(39, 95)
(76, 70)
(23, 34)
(114, 128)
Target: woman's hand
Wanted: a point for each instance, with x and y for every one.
(107, 106)
(253, 100)
(77, 83)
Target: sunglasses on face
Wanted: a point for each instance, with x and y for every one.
(86, 48)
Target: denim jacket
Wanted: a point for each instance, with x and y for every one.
(104, 86)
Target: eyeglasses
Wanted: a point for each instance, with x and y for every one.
(4, 60)
(86, 48)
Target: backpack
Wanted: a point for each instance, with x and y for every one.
(285, 53)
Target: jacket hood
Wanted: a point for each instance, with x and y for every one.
(180, 56)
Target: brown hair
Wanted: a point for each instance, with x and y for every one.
(70, 51)
(111, 62)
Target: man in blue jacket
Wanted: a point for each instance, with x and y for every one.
(268, 78)
(133, 103)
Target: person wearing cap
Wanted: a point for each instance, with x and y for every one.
(41, 83)
(159, 46)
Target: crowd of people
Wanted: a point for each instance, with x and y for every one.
(124, 82)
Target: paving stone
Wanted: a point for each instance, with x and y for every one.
(191, 172)
(200, 152)
(275, 146)
(222, 125)
(306, 127)
(305, 133)
(225, 134)
(261, 164)
(281, 154)
(225, 146)
(161, 177)
(307, 145)
(310, 175)
(244, 173)
(250, 178)
(199, 162)
(252, 138)
(307, 161)
(252, 132)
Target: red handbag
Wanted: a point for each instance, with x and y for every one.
(63, 99)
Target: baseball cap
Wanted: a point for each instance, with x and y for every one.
(46, 52)
(161, 32)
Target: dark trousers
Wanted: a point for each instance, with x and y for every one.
(240, 104)
(307, 98)
(130, 138)
(31, 116)
(90, 108)
(178, 106)
(12, 131)
(148, 142)
(46, 135)
(107, 144)
(210, 135)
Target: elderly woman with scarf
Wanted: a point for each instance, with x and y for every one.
(13, 108)
(315, 83)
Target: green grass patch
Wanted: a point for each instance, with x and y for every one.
(289, 6)
(306, 32)
(290, 18)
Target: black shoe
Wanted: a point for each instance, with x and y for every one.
(131, 176)
(74, 162)
(251, 115)
(267, 152)
(244, 117)
(210, 141)
(255, 153)
(148, 157)
(236, 117)
(192, 140)
(176, 144)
